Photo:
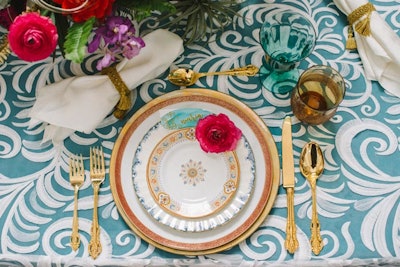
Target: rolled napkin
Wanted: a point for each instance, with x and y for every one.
(377, 43)
(81, 103)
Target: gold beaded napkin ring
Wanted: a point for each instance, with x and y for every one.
(360, 18)
(125, 102)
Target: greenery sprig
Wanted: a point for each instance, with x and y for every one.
(201, 17)
(143, 9)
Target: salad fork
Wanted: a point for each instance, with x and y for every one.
(76, 179)
(97, 175)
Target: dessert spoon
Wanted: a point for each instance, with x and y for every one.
(186, 77)
(312, 166)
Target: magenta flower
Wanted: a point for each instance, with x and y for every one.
(115, 37)
(32, 37)
(217, 133)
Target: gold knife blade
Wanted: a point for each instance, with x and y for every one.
(291, 243)
(287, 154)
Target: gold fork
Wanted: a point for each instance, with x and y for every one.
(97, 175)
(76, 178)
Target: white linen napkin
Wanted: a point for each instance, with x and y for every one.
(81, 103)
(379, 52)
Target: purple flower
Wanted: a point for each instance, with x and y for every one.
(119, 28)
(105, 61)
(95, 43)
(132, 47)
(116, 37)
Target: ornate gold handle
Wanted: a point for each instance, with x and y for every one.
(315, 240)
(94, 244)
(75, 239)
(249, 70)
(291, 243)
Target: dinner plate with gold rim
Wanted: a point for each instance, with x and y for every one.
(186, 188)
(185, 242)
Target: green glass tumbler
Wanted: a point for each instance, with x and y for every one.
(287, 37)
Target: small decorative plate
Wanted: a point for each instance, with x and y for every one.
(187, 188)
(227, 235)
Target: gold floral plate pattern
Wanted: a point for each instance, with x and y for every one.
(247, 220)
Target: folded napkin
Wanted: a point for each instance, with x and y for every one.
(379, 48)
(81, 103)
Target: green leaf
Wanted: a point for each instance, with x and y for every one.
(76, 40)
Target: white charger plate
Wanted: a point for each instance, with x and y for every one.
(185, 242)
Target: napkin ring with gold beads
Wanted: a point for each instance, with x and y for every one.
(360, 18)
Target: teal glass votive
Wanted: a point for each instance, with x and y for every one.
(287, 37)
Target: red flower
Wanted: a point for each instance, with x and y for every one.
(32, 37)
(94, 8)
(217, 133)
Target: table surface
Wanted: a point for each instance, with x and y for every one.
(358, 194)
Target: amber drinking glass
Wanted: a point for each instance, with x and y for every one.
(317, 95)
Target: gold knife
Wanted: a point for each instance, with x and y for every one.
(291, 243)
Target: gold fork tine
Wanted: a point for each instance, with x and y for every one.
(97, 175)
(76, 177)
(97, 162)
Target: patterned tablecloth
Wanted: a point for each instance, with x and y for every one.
(358, 194)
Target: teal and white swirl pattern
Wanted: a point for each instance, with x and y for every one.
(358, 193)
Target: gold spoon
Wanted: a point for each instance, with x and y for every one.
(186, 77)
(312, 166)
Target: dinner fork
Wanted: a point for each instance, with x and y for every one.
(97, 175)
(76, 179)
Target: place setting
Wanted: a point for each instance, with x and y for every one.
(246, 166)
(183, 190)
(305, 93)
(180, 196)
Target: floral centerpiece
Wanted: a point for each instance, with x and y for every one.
(80, 27)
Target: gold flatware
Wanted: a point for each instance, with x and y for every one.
(186, 77)
(312, 166)
(291, 243)
(76, 179)
(97, 175)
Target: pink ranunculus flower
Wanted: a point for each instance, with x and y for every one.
(32, 37)
(217, 133)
